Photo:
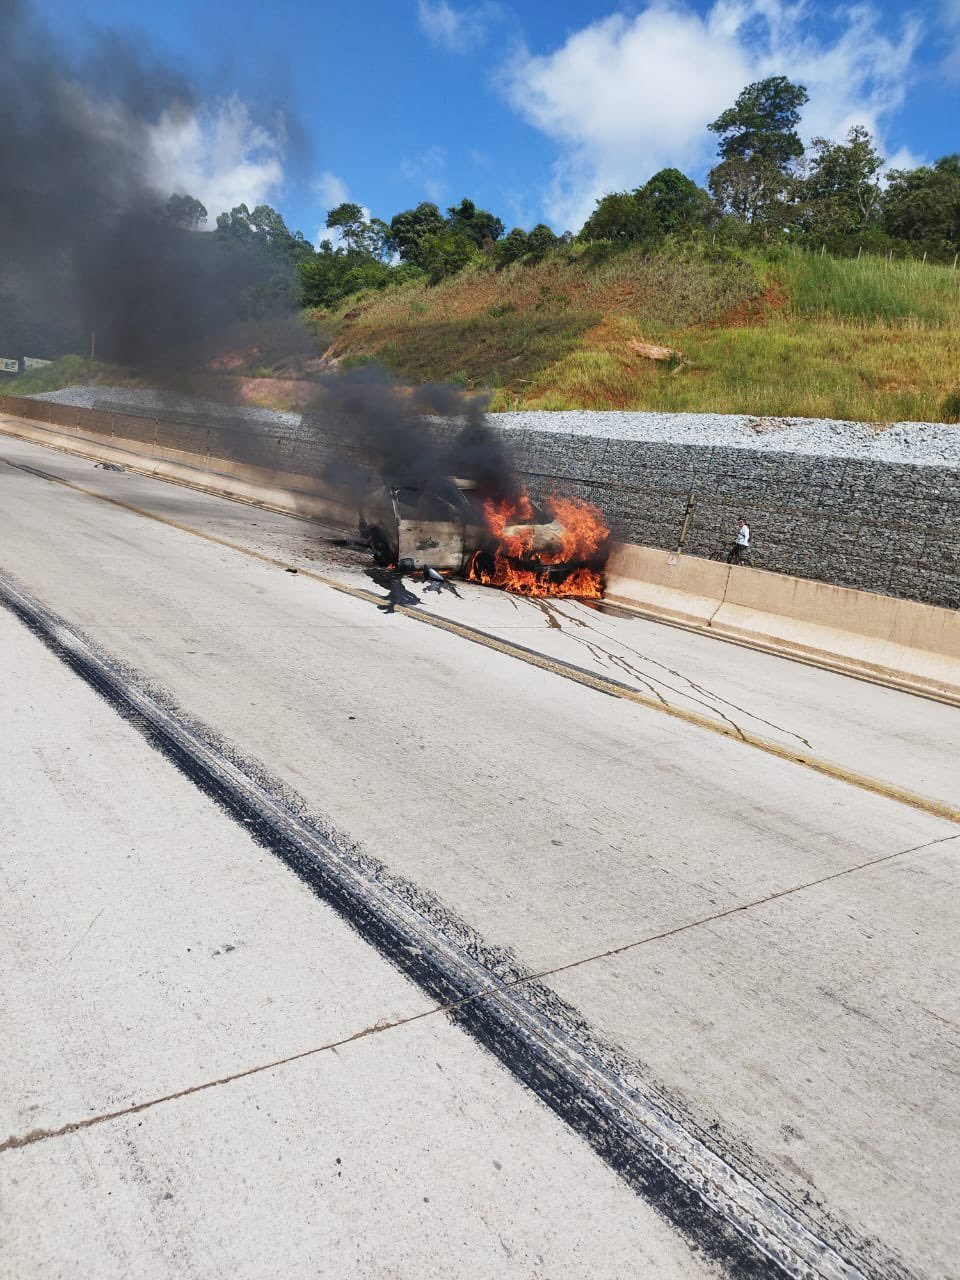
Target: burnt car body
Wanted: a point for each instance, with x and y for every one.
(446, 530)
(414, 529)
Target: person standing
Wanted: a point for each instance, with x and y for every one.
(742, 544)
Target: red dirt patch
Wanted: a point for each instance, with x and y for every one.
(753, 311)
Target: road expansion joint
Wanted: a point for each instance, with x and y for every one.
(32, 1136)
(37, 1135)
(556, 666)
(738, 909)
(716, 1200)
(377, 1028)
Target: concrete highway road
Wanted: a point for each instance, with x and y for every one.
(489, 939)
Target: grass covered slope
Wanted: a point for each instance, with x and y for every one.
(793, 334)
(65, 372)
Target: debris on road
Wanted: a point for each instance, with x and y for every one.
(107, 466)
(437, 582)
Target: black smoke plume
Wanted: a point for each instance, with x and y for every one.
(89, 249)
(371, 430)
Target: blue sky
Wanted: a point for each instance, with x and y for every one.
(532, 109)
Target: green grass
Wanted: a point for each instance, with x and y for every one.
(505, 328)
(871, 289)
(63, 373)
(786, 367)
(481, 351)
(780, 335)
(783, 335)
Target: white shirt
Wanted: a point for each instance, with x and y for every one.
(743, 536)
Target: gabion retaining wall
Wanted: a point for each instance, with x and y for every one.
(887, 527)
(879, 526)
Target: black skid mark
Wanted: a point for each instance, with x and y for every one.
(531, 1032)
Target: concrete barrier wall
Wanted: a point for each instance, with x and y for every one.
(915, 646)
(907, 643)
(127, 443)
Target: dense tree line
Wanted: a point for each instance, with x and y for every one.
(765, 188)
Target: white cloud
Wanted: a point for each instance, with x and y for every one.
(518, 209)
(428, 170)
(331, 190)
(902, 158)
(217, 154)
(456, 30)
(626, 96)
(950, 10)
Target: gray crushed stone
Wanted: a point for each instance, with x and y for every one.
(143, 400)
(919, 443)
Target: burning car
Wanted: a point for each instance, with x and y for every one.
(558, 549)
(413, 529)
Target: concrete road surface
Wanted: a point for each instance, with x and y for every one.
(616, 950)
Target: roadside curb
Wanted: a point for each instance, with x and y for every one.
(902, 644)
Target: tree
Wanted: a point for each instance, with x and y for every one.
(268, 225)
(409, 229)
(672, 203)
(762, 123)
(424, 238)
(263, 230)
(262, 256)
(923, 206)
(298, 248)
(330, 275)
(512, 247)
(362, 235)
(234, 225)
(758, 147)
(617, 216)
(540, 241)
(347, 218)
(184, 212)
(476, 224)
(264, 224)
(840, 195)
(444, 253)
(754, 191)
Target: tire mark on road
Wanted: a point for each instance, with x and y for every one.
(543, 1043)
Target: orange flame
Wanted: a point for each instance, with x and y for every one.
(577, 533)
